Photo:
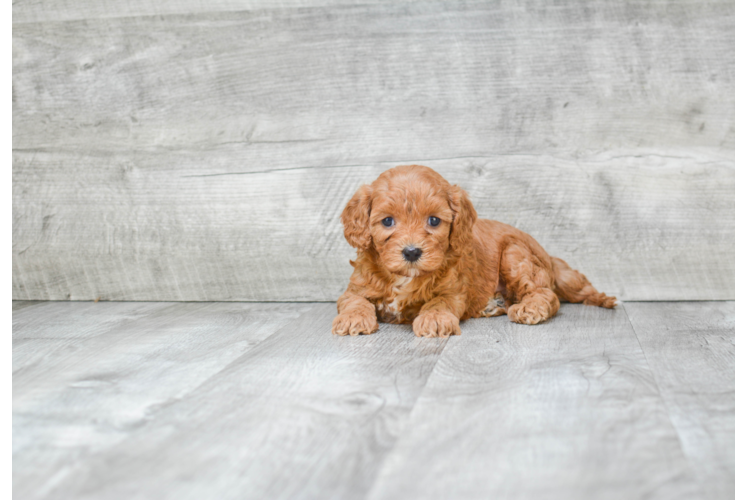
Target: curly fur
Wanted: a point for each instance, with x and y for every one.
(469, 267)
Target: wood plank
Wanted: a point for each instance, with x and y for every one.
(447, 81)
(22, 304)
(59, 327)
(303, 415)
(691, 350)
(655, 227)
(77, 320)
(66, 10)
(78, 395)
(566, 409)
(150, 152)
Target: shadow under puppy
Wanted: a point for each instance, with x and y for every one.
(424, 257)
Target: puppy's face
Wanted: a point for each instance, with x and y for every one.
(409, 224)
(412, 217)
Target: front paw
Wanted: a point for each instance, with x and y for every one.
(436, 324)
(354, 324)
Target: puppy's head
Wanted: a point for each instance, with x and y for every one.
(412, 217)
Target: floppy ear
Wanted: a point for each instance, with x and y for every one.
(464, 218)
(355, 218)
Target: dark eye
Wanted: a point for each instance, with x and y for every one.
(434, 221)
(388, 221)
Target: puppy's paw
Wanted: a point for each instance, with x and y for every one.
(529, 312)
(436, 324)
(354, 324)
(608, 302)
(495, 307)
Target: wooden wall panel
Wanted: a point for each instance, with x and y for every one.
(66, 10)
(207, 155)
(381, 83)
(644, 228)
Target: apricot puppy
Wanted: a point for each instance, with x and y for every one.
(424, 257)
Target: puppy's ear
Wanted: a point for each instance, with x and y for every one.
(464, 218)
(355, 218)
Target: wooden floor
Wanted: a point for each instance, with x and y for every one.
(136, 400)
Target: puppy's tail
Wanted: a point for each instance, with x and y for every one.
(572, 286)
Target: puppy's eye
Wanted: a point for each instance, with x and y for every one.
(434, 221)
(388, 221)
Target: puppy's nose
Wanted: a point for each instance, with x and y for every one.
(412, 254)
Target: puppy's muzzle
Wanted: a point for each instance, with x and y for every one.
(412, 254)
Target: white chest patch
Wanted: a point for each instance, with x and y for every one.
(399, 292)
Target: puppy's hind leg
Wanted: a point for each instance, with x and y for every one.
(573, 286)
(537, 306)
(529, 283)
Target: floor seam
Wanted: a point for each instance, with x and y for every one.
(407, 421)
(665, 405)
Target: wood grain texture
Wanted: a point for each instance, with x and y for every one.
(86, 376)
(691, 350)
(645, 228)
(238, 400)
(25, 11)
(352, 85)
(56, 328)
(568, 409)
(207, 155)
(305, 414)
(22, 304)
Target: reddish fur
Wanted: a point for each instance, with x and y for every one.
(466, 261)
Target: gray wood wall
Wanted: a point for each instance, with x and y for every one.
(204, 150)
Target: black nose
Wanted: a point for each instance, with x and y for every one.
(412, 254)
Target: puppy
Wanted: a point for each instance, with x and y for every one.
(424, 257)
